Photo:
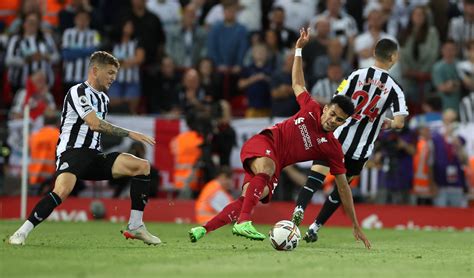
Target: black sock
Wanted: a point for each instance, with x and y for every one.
(330, 206)
(315, 182)
(139, 191)
(44, 208)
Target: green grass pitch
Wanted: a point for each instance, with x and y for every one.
(97, 249)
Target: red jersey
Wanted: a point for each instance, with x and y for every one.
(302, 138)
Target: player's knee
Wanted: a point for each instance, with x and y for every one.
(143, 168)
(63, 190)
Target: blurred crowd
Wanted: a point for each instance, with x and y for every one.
(207, 61)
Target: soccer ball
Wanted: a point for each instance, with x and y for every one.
(284, 236)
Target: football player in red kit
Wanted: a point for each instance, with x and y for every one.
(307, 135)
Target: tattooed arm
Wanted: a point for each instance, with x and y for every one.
(104, 127)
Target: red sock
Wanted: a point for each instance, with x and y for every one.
(252, 195)
(226, 216)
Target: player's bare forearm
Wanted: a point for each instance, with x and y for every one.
(297, 75)
(110, 129)
(346, 198)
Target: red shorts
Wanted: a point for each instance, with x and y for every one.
(260, 146)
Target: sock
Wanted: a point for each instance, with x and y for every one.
(315, 182)
(227, 215)
(252, 195)
(44, 208)
(315, 227)
(139, 190)
(136, 219)
(26, 228)
(330, 206)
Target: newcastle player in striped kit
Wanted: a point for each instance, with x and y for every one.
(373, 93)
(79, 153)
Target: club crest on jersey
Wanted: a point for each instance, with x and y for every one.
(321, 140)
(83, 100)
(299, 120)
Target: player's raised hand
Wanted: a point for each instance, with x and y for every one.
(304, 38)
(359, 235)
(140, 137)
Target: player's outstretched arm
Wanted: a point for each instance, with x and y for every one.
(105, 127)
(297, 75)
(346, 198)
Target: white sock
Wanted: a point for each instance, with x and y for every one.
(26, 228)
(136, 219)
(315, 227)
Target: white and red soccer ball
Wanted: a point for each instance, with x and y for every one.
(285, 236)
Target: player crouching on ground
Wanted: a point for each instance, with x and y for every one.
(307, 135)
(79, 153)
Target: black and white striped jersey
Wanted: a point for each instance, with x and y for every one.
(466, 109)
(81, 100)
(124, 51)
(20, 48)
(83, 43)
(373, 93)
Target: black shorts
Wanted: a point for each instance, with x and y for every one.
(86, 164)
(353, 167)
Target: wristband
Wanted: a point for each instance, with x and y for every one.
(298, 52)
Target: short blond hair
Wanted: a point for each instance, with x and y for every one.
(103, 58)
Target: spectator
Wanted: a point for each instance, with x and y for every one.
(255, 80)
(459, 27)
(214, 196)
(343, 26)
(39, 98)
(391, 22)
(466, 69)
(445, 77)
(186, 44)
(365, 43)
(325, 89)
(131, 54)
(42, 166)
(317, 46)
(275, 51)
(449, 158)
(78, 43)
(210, 80)
(27, 7)
(30, 51)
(168, 11)
(164, 99)
(283, 98)
(255, 39)
(419, 50)
(150, 32)
(192, 96)
(397, 168)
(466, 109)
(68, 14)
(432, 115)
(333, 56)
(424, 187)
(298, 13)
(227, 42)
(286, 37)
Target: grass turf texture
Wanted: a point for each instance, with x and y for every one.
(97, 249)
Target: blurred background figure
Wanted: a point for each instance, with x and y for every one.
(419, 50)
(283, 100)
(323, 91)
(78, 43)
(449, 160)
(29, 51)
(126, 90)
(42, 165)
(214, 196)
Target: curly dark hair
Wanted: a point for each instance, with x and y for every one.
(345, 103)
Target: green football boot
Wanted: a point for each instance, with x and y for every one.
(246, 229)
(196, 233)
